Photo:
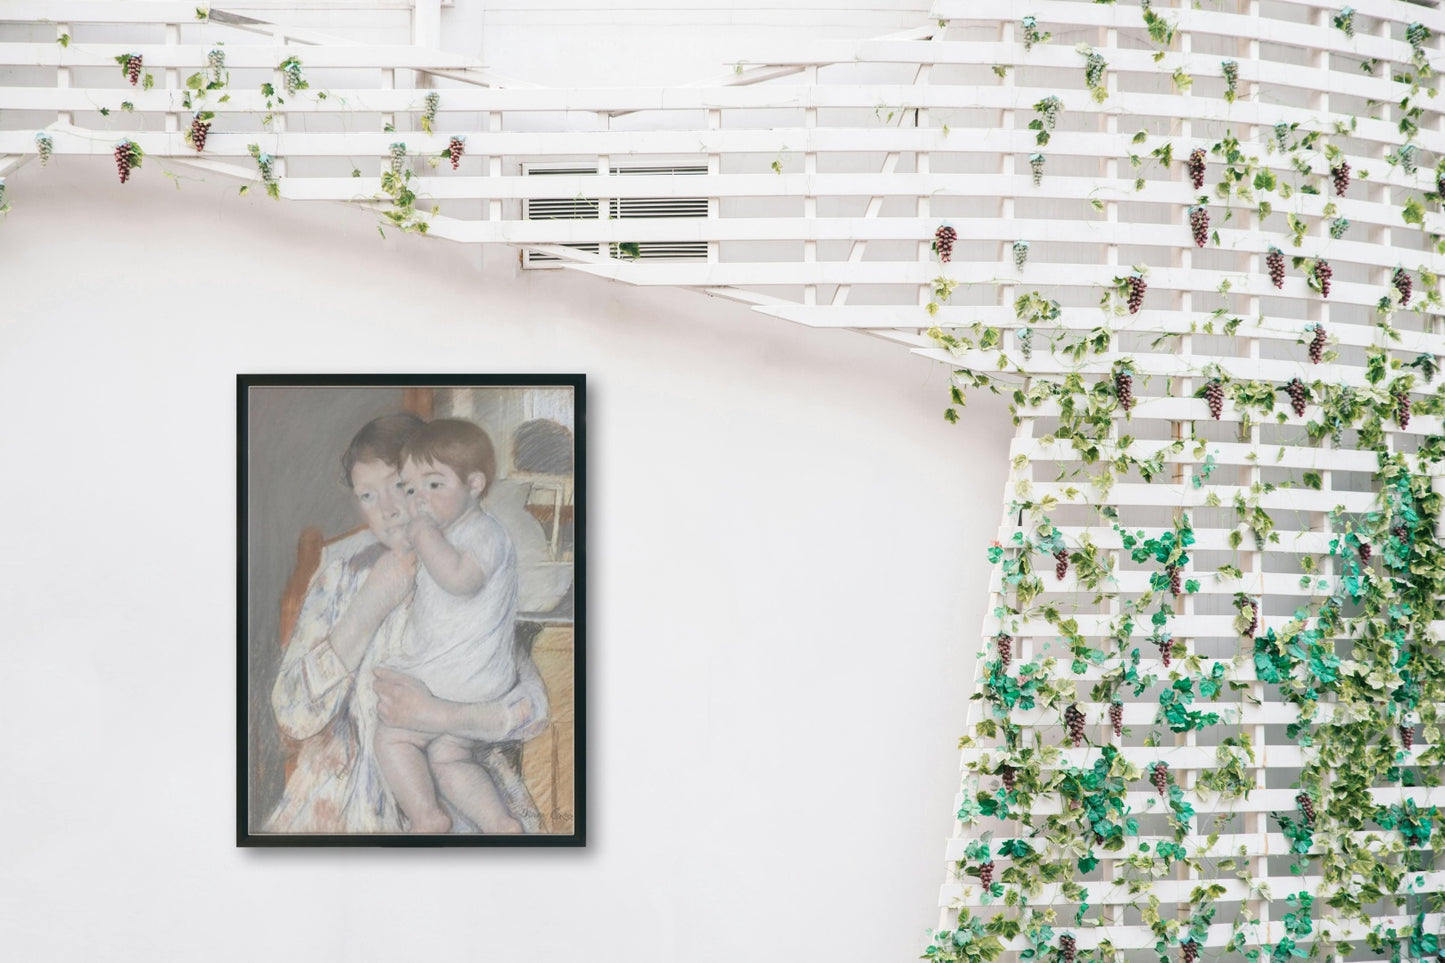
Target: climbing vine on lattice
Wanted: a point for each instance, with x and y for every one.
(1359, 662)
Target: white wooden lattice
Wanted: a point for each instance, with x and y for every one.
(828, 170)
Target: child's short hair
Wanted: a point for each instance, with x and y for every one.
(380, 439)
(460, 445)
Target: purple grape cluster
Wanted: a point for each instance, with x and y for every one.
(1159, 776)
(1116, 718)
(1166, 651)
(1004, 642)
(1199, 224)
(1253, 617)
(124, 159)
(943, 239)
(1299, 395)
(985, 873)
(199, 130)
(1074, 719)
(1214, 394)
(1306, 806)
(1402, 408)
(1340, 174)
(1274, 260)
(1317, 345)
(1188, 951)
(1061, 564)
(1407, 737)
(1124, 389)
(1365, 553)
(1196, 167)
(1137, 287)
(1400, 533)
(1176, 585)
(133, 65)
(1067, 948)
(1009, 776)
(454, 151)
(1403, 284)
(1323, 273)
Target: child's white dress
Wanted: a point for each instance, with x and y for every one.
(463, 647)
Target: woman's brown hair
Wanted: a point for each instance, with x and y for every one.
(381, 439)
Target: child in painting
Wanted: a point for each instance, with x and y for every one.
(460, 641)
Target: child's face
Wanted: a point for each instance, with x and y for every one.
(437, 492)
(378, 490)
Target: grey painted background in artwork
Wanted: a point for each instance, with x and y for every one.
(296, 439)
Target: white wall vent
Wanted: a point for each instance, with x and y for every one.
(620, 209)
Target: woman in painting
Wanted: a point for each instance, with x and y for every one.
(328, 694)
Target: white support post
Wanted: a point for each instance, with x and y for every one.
(810, 172)
(62, 75)
(278, 120)
(603, 213)
(426, 31)
(172, 78)
(714, 169)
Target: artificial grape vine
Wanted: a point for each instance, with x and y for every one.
(128, 156)
(1274, 261)
(1195, 166)
(1137, 286)
(1089, 418)
(943, 240)
(1403, 285)
(1199, 224)
(1340, 175)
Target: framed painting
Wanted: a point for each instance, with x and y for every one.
(411, 610)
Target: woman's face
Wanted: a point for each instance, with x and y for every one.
(378, 490)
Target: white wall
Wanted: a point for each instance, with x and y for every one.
(785, 599)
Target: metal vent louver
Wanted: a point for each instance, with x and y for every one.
(622, 208)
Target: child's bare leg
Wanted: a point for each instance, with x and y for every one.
(467, 786)
(402, 755)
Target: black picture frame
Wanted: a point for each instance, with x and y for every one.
(266, 401)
